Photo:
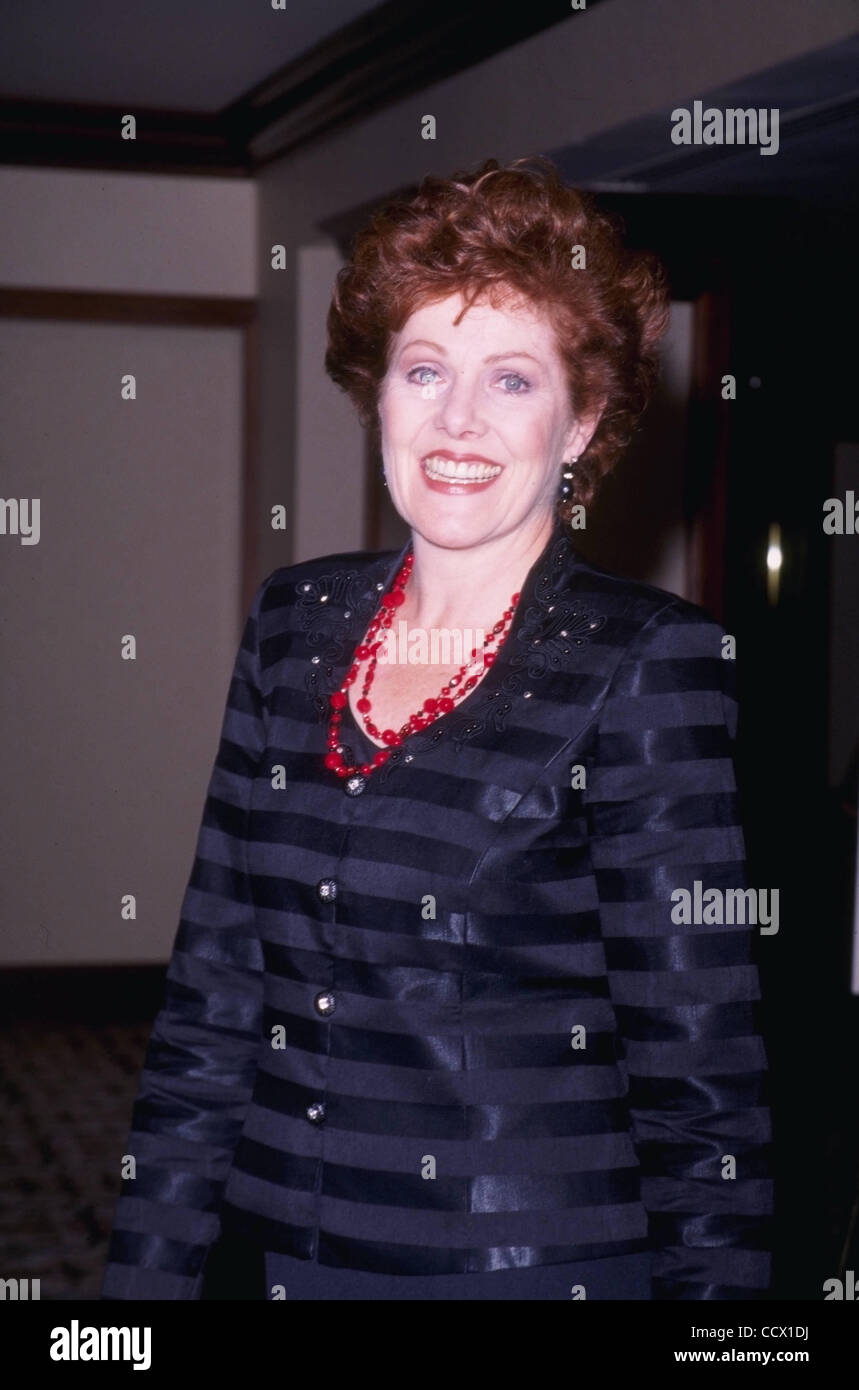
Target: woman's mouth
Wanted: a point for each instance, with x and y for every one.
(458, 476)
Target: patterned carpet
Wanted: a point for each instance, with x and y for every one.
(67, 1092)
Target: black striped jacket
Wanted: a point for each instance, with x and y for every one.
(447, 1024)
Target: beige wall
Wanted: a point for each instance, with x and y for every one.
(324, 427)
(143, 233)
(105, 761)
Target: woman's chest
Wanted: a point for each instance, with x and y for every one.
(400, 691)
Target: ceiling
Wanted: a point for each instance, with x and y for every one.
(221, 86)
(224, 86)
(197, 57)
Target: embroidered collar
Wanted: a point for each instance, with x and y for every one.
(335, 609)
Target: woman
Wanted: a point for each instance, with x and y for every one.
(431, 1030)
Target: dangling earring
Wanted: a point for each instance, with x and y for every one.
(567, 475)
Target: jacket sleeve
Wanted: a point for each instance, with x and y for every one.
(661, 804)
(200, 1063)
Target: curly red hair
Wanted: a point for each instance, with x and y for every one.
(501, 234)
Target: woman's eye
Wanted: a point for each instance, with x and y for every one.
(410, 376)
(520, 389)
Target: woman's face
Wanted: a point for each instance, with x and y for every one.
(476, 422)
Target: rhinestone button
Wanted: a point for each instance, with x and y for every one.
(353, 786)
(325, 1003)
(326, 889)
(315, 1112)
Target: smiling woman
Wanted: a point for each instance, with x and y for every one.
(430, 1029)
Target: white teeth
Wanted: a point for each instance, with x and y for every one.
(460, 470)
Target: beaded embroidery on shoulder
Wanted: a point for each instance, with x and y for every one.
(330, 609)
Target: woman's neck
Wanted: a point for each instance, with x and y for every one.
(451, 588)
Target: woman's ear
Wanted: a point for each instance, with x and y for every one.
(581, 433)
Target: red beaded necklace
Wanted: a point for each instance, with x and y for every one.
(456, 688)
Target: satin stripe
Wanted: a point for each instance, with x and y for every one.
(381, 1257)
(474, 1052)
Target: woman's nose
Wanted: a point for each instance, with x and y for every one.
(459, 408)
